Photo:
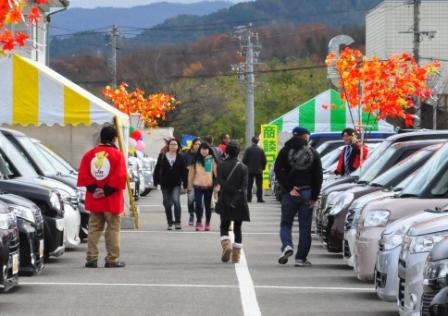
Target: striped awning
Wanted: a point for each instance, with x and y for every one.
(34, 94)
(327, 112)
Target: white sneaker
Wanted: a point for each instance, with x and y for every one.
(302, 263)
(287, 252)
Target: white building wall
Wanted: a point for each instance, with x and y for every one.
(389, 29)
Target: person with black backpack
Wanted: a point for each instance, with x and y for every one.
(299, 171)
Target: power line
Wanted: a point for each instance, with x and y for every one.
(232, 74)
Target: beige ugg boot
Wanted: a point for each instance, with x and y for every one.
(226, 249)
(236, 252)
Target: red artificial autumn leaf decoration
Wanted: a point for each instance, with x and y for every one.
(11, 12)
(384, 88)
(153, 108)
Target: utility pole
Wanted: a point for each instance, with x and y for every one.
(114, 40)
(250, 48)
(416, 53)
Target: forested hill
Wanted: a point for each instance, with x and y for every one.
(188, 27)
(261, 13)
(75, 20)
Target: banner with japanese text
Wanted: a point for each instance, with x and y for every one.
(269, 143)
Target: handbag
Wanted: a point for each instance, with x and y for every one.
(219, 204)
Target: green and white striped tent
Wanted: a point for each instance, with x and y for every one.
(327, 112)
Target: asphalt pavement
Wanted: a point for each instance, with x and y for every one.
(180, 273)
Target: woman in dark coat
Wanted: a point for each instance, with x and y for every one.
(232, 201)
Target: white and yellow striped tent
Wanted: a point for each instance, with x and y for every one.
(33, 94)
(44, 104)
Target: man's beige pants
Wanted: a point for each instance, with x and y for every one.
(97, 222)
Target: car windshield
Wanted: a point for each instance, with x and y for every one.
(330, 158)
(15, 160)
(375, 167)
(373, 157)
(57, 164)
(39, 159)
(57, 157)
(424, 175)
(393, 175)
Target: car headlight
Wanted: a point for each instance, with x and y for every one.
(376, 218)
(23, 212)
(435, 275)
(55, 201)
(393, 239)
(343, 201)
(4, 221)
(425, 243)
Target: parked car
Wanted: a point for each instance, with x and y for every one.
(9, 249)
(386, 267)
(354, 213)
(30, 224)
(435, 281)
(64, 169)
(148, 165)
(135, 176)
(43, 192)
(428, 189)
(417, 244)
(316, 139)
(333, 218)
(67, 183)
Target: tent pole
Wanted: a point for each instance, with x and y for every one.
(134, 212)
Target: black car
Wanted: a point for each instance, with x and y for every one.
(31, 231)
(435, 284)
(9, 249)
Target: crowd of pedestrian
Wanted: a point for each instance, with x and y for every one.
(213, 178)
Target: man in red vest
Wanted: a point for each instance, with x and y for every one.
(103, 172)
(350, 158)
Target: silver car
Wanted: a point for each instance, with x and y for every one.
(386, 268)
(417, 243)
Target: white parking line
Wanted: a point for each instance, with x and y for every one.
(247, 289)
(210, 286)
(183, 232)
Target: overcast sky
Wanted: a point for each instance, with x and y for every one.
(127, 3)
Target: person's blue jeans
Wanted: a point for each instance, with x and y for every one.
(171, 196)
(190, 202)
(205, 194)
(290, 207)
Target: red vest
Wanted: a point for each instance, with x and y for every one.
(103, 165)
(355, 159)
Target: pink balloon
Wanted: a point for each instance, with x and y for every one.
(140, 145)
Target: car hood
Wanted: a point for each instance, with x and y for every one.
(48, 183)
(374, 196)
(439, 251)
(18, 200)
(430, 226)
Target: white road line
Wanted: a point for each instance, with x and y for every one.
(247, 289)
(211, 286)
(182, 232)
(131, 285)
